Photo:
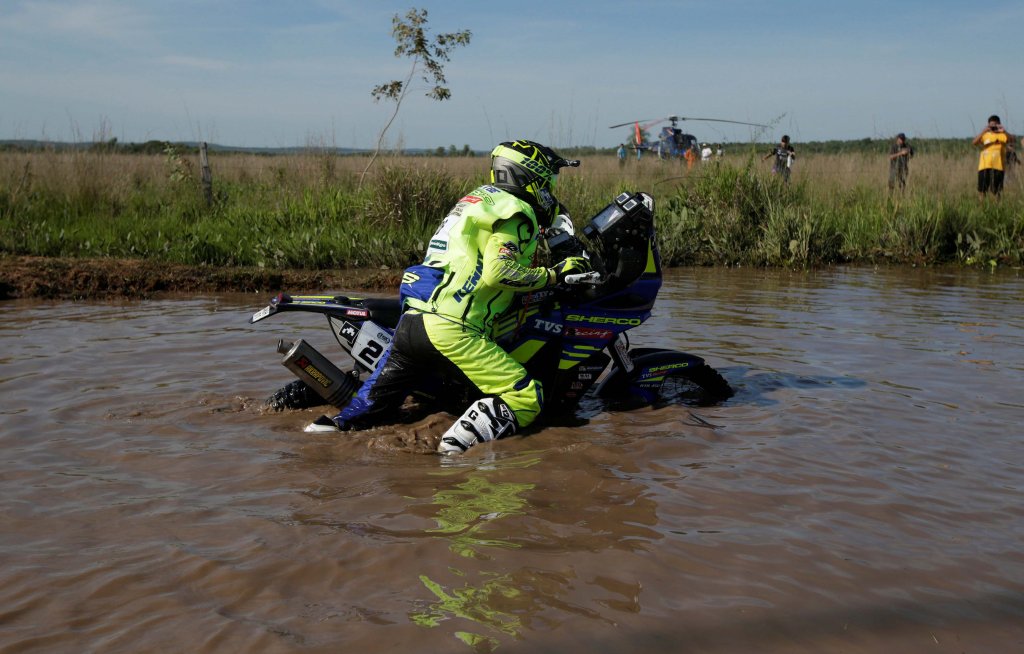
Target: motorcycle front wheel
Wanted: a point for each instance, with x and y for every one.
(693, 383)
(699, 385)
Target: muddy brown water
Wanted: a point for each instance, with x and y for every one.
(862, 492)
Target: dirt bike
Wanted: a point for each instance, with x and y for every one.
(571, 337)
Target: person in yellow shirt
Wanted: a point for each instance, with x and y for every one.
(994, 141)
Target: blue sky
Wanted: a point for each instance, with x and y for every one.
(280, 74)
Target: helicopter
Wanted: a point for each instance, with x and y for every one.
(672, 141)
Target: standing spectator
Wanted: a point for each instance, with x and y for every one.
(621, 154)
(691, 156)
(899, 162)
(705, 153)
(719, 151)
(993, 140)
(784, 155)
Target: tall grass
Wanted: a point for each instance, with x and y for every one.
(306, 210)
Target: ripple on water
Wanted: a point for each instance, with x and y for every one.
(860, 492)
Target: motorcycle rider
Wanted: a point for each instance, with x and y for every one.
(477, 261)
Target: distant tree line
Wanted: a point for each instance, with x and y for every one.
(453, 151)
(111, 146)
(945, 146)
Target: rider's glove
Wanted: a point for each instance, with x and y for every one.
(569, 266)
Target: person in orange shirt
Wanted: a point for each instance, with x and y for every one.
(994, 141)
(691, 156)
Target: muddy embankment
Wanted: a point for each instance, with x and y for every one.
(42, 277)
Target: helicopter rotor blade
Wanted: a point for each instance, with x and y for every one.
(642, 120)
(648, 122)
(643, 123)
(716, 120)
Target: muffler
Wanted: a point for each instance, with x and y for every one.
(319, 374)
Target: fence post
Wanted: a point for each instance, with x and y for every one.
(205, 175)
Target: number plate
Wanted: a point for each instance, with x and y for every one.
(261, 314)
(371, 344)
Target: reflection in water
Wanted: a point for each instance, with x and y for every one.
(473, 603)
(465, 512)
(473, 518)
(468, 508)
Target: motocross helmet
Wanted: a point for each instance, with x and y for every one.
(529, 170)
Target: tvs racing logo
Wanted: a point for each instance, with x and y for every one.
(547, 326)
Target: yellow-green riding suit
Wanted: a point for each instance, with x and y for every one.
(482, 255)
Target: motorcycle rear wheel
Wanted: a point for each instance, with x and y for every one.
(296, 395)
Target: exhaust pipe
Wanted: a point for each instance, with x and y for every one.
(319, 374)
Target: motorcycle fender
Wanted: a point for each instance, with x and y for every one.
(648, 364)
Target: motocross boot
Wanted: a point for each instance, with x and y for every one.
(326, 424)
(485, 420)
(323, 424)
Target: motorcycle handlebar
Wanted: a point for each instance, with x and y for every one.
(592, 277)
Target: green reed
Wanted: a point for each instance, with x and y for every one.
(306, 210)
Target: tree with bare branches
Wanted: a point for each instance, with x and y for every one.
(428, 55)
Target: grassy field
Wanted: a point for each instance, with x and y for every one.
(308, 211)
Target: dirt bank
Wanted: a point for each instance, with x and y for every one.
(41, 277)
